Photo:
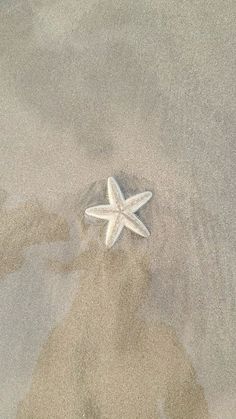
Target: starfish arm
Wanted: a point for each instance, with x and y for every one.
(133, 223)
(114, 228)
(115, 195)
(103, 212)
(135, 202)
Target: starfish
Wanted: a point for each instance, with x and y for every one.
(120, 212)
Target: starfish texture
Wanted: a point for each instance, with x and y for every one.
(120, 212)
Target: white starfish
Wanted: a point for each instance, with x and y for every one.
(120, 212)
